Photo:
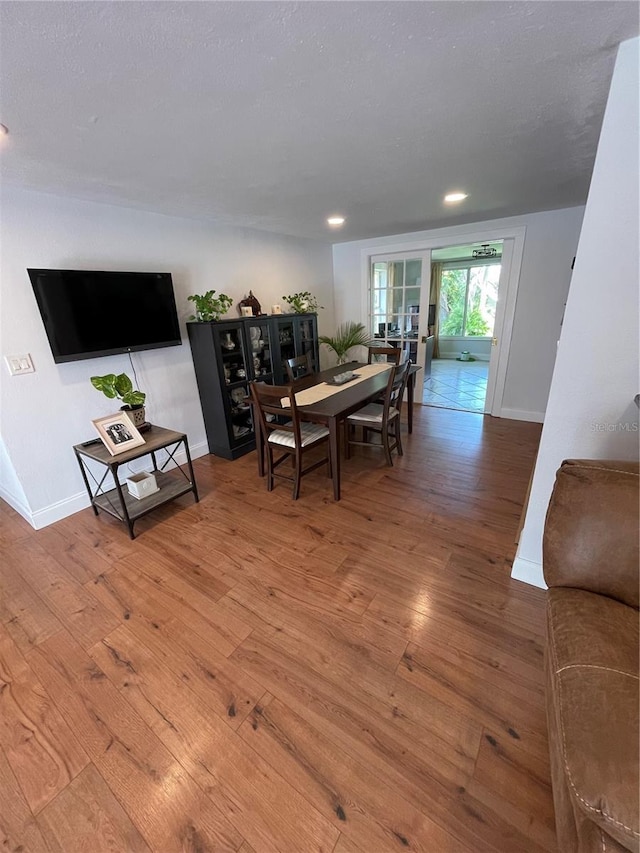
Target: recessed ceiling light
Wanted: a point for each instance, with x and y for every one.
(452, 198)
(335, 221)
(4, 130)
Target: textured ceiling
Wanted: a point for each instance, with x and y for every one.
(275, 115)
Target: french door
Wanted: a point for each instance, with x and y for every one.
(398, 304)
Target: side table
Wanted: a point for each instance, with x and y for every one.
(117, 501)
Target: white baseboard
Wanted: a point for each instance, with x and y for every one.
(59, 510)
(522, 415)
(20, 507)
(68, 506)
(528, 572)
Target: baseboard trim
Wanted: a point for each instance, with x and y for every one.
(75, 503)
(59, 510)
(522, 415)
(21, 508)
(528, 572)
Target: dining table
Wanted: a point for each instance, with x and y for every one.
(340, 402)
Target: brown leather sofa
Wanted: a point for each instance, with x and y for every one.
(591, 568)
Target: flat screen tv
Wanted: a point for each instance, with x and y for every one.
(88, 313)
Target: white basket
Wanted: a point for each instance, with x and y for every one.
(142, 485)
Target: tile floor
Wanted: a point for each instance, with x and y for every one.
(457, 385)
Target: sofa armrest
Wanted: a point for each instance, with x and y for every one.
(591, 529)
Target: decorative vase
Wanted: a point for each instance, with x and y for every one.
(250, 302)
(227, 343)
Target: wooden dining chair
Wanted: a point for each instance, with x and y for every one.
(293, 437)
(381, 418)
(299, 366)
(393, 355)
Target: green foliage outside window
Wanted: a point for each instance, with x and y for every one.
(456, 289)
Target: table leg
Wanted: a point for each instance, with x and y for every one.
(86, 482)
(190, 466)
(123, 504)
(334, 449)
(411, 384)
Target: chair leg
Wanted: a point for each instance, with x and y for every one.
(298, 469)
(399, 437)
(269, 468)
(385, 444)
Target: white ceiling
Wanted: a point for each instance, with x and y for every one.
(275, 115)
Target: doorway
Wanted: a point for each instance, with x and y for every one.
(512, 239)
(464, 291)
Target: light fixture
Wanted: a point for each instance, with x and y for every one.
(486, 251)
(335, 221)
(4, 130)
(452, 198)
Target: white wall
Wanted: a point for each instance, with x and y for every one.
(550, 246)
(10, 488)
(591, 413)
(43, 414)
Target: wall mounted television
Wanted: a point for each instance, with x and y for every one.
(91, 313)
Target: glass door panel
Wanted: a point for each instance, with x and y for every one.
(261, 351)
(398, 304)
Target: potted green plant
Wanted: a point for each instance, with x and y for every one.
(303, 302)
(209, 306)
(348, 335)
(121, 387)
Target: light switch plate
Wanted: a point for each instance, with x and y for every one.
(19, 364)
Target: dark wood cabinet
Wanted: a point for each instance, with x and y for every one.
(229, 354)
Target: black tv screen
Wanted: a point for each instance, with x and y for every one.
(88, 314)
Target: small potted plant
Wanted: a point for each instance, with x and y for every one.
(209, 306)
(348, 335)
(303, 302)
(121, 387)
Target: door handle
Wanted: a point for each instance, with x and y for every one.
(494, 342)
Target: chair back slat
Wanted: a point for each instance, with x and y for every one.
(299, 366)
(399, 385)
(393, 355)
(268, 401)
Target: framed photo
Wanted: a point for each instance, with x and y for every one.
(118, 433)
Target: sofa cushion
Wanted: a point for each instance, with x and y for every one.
(593, 657)
(591, 531)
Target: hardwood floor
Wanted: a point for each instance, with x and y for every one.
(256, 674)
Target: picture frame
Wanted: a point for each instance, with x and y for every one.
(118, 433)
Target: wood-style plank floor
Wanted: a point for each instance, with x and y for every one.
(257, 674)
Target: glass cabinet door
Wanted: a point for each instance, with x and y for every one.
(260, 351)
(236, 374)
(307, 343)
(286, 343)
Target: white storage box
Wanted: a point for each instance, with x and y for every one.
(142, 485)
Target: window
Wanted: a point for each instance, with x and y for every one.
(468, 298)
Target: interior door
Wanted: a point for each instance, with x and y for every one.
(499, 347)
(398, 304)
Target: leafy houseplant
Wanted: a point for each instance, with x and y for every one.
(348, 335)
(120, 386)
(303, 302)
(210, 307)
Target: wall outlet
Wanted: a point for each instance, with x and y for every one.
(19, 364)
